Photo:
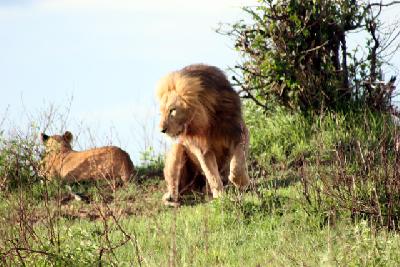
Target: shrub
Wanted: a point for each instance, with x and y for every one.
(296, 54)
(151, 164)
(19, 161)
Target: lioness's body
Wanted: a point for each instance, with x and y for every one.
(202, 111)
(108, 162)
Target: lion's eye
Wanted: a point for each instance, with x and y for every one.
(172, 112)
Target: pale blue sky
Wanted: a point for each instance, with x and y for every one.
(108, 55)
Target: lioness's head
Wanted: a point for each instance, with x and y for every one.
(57, 143)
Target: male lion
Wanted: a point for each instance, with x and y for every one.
(60, 160)
(200, 109)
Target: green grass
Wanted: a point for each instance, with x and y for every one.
(264, 227)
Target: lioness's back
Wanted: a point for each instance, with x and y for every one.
(106, 162)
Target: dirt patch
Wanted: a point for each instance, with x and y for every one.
(133, 200)
(85, 202)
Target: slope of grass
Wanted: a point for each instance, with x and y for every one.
(267, 227)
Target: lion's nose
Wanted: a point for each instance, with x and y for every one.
(164, 130)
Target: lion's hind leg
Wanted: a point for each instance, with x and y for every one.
(238, 174)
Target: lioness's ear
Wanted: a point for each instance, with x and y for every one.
(44, 137)
(67, 136)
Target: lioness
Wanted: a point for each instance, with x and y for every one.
(60, 160)
(200, 109)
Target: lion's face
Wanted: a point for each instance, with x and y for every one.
(175, 115)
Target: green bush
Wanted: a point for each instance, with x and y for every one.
(151, 164)
(19, 161)
(295, 54)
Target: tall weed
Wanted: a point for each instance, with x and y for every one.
(347, 162)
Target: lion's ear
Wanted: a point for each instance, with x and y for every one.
(44, 137)
(68, 136)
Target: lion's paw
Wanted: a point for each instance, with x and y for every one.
(217, 193)
(170, 201)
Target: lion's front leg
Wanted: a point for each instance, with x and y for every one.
(208, 164)
(173, 173)
(238, 174)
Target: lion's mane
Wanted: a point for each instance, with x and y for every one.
(212, 100)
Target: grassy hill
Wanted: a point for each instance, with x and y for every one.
(323, 193)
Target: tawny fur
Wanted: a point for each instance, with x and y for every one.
(109, 162)
(202, 111)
